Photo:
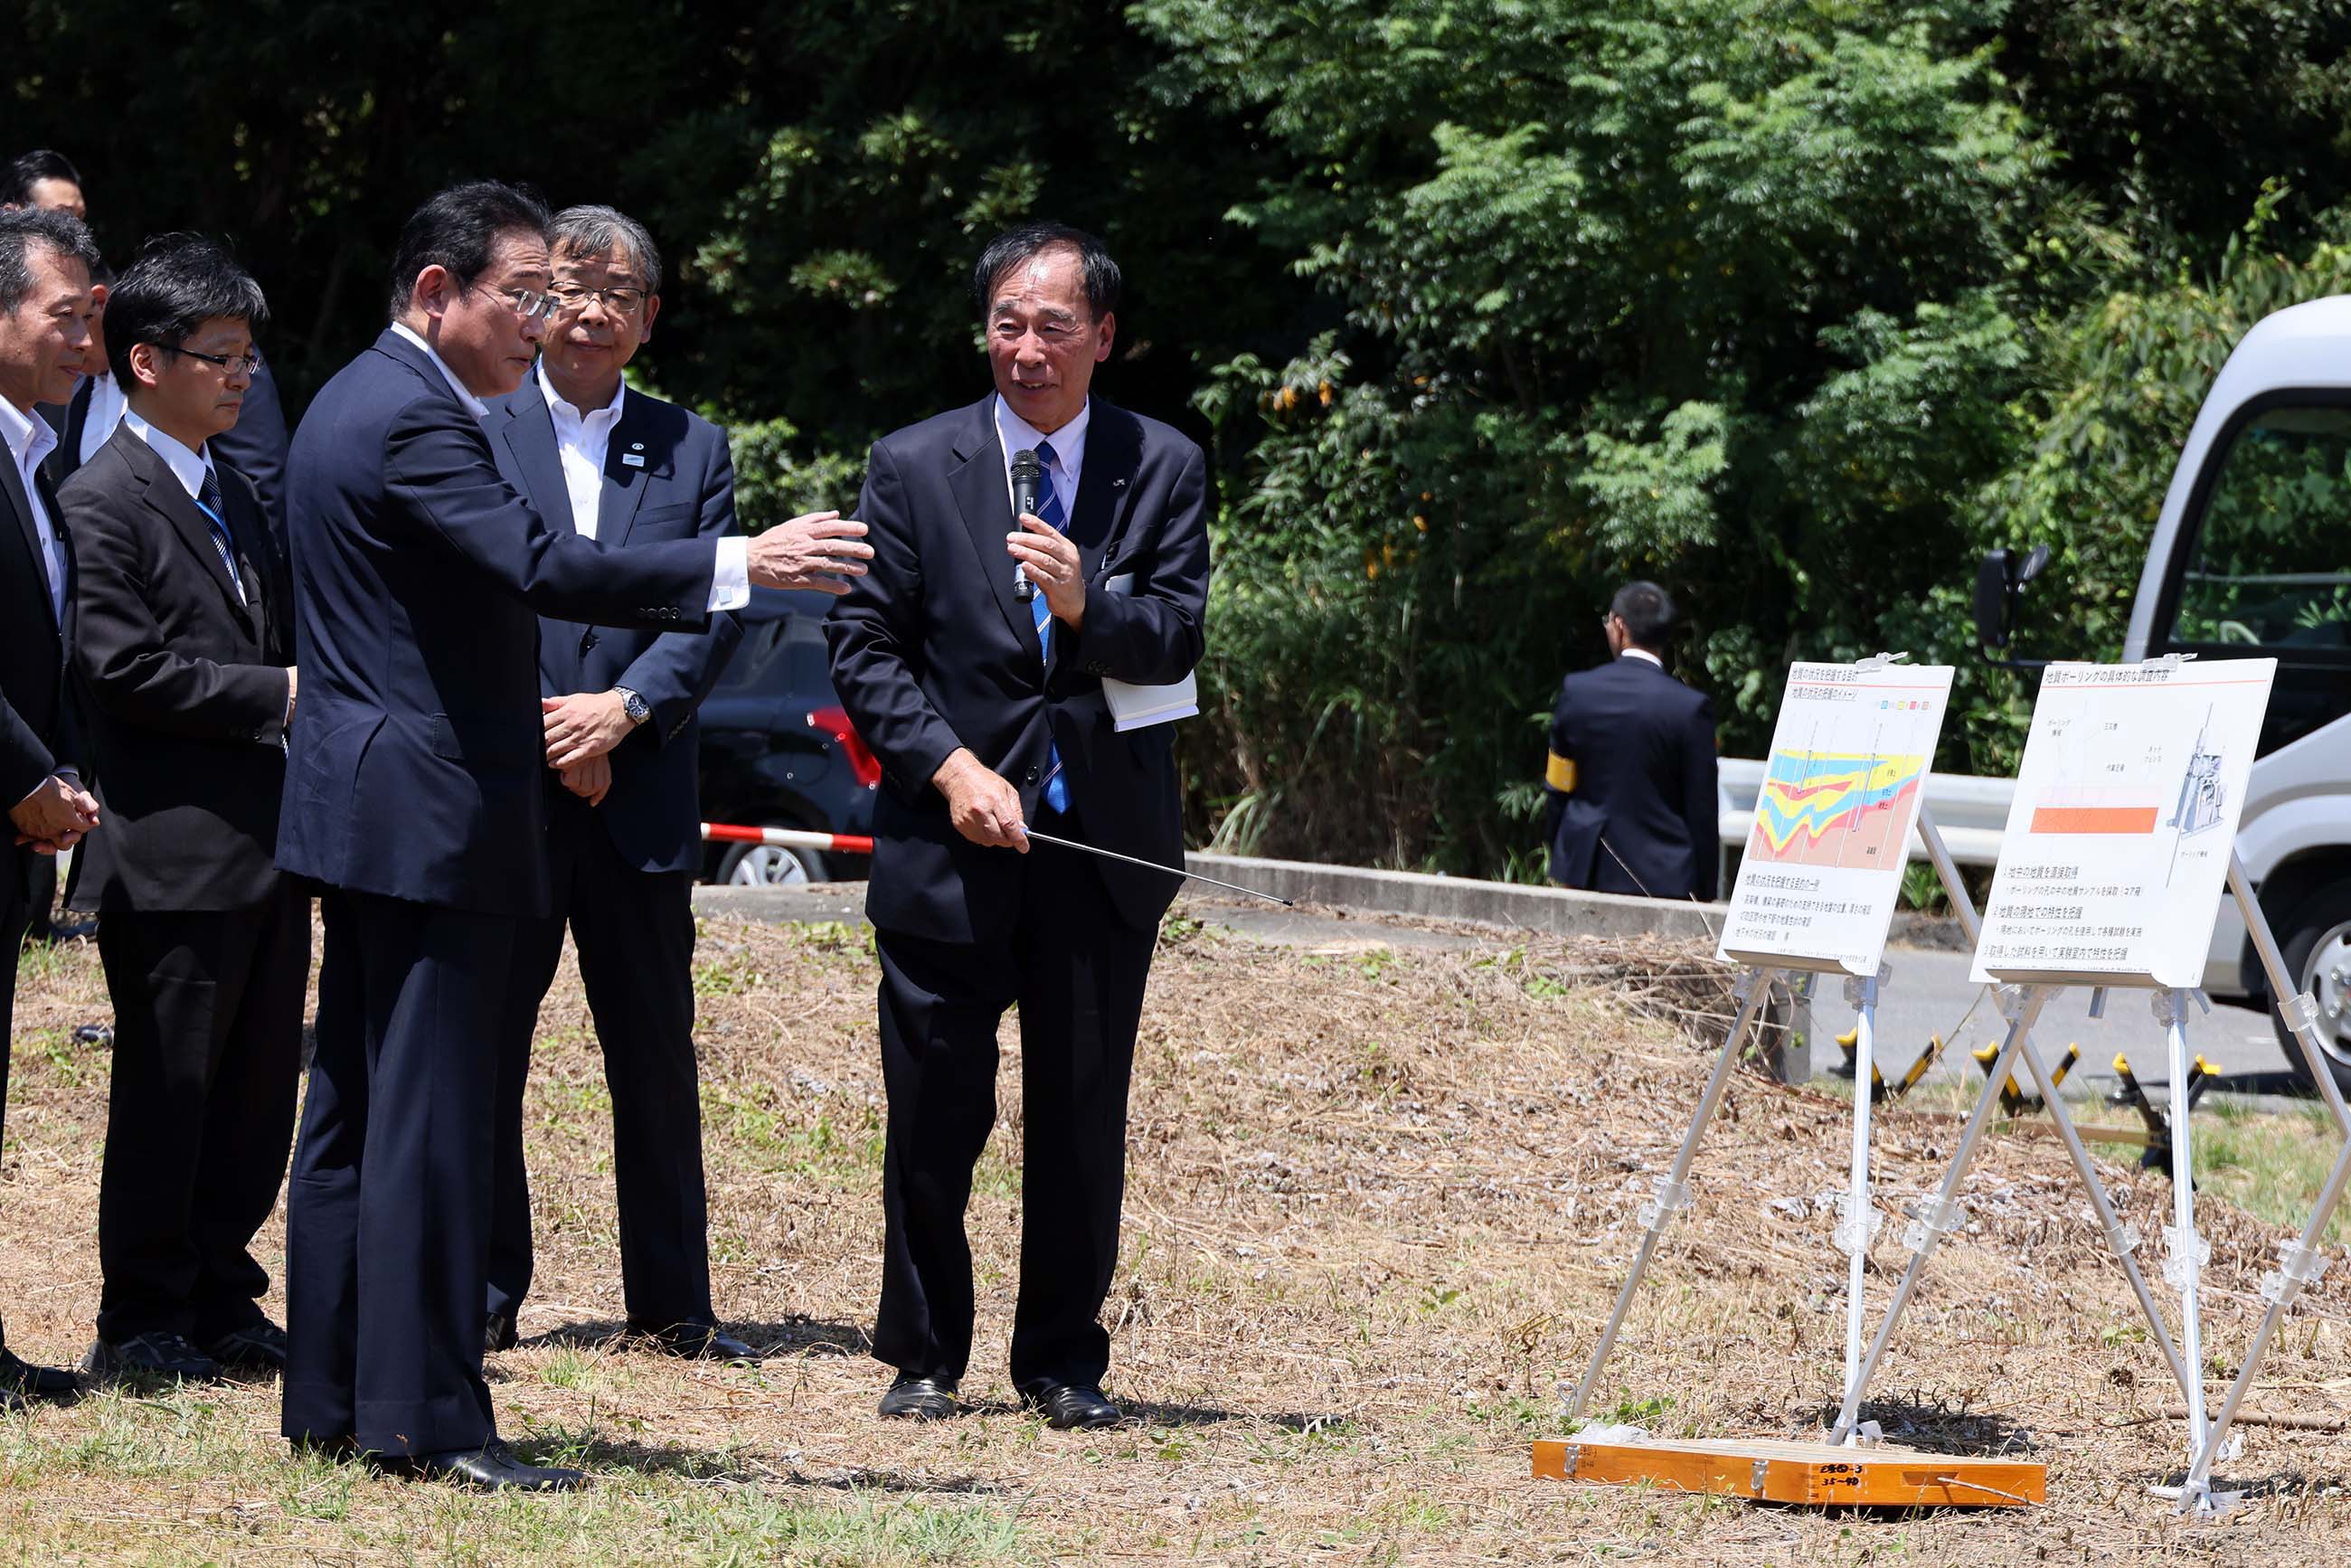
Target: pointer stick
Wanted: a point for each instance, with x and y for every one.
(1154, 865)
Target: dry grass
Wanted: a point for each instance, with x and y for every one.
(1379, 1204)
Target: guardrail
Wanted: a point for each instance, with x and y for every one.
(1972, 812)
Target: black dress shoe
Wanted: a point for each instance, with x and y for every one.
(334, 1450)
(158, 1357)
(695, 1341)
(1068, 1406)
(22, 1380)
(915, 1398)
(490, 1467)
(259, 1348)
(498, 1333)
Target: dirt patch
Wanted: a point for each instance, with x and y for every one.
(1378, 1205)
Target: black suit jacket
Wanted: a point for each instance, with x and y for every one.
(930, 651)
(419, 576)
(69, 419)
(40, 727)
(186, 686)
(1642, 818)
(679, 485)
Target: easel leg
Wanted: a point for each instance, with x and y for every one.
(1673, 1188)
(2186, 1250)
(1857, 1220)
(2122, 1238)
(2300, 1263)
(1942, 1215)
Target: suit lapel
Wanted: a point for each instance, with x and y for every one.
(164, 494)
(977, 481)
(530, 435)
(624, 481)
(1106, 488)
(14, 485)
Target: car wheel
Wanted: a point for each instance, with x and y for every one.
(769, 865)
(2316, 946)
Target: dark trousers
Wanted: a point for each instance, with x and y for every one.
(1077, 974)
(634, 931)
(388, 1212)
(207, 1049)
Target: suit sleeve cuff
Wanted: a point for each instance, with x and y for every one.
(730, 579)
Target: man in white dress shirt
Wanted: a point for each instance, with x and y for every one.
(623, 837)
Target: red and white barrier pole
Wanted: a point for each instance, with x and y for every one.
(787, 838)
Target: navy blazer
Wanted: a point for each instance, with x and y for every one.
(931, 651)
(666, 476)
(1643, 816)
(416, 758)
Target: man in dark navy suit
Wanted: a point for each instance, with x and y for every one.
(989, 713)
(1629, 796)
(623, 825)
(414, 798)
(44, 309)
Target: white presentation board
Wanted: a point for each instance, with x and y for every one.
(2116, 852)
(1823, 868)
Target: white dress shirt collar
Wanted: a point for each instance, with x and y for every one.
(29, 437)
(1643, 654)
(188, 467)
(473, 405)
(610, 414)
(104, 412)
(1069, 448)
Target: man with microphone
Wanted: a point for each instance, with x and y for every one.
(972, 661)
(412, 798)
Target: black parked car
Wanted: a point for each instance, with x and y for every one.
(778, 752)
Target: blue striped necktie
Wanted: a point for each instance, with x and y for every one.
(208, 499)
(1050, 511)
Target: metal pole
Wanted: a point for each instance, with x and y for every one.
(2300, 1263)
(2294, 1005)
(1942, 1212)
(1858, 1225)
(2187, 1250)
(1673, 1189)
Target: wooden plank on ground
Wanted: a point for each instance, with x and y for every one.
(1779, 1470)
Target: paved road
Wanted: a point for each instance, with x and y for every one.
(1931, 993)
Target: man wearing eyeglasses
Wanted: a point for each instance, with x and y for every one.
(185, 648)
(414, 798)
(623, 837)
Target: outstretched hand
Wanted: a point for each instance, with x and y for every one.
(817, 549)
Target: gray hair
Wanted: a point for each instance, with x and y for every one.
(599, 231)
(28, 227)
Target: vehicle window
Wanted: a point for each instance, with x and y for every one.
(2268, 569)
(756, 656)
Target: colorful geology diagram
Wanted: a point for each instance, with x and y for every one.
(1836, 809)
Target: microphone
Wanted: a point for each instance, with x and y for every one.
(1028, 473)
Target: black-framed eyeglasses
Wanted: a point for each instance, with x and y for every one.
(247, 362)
(571, 299)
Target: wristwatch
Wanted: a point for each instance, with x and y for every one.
(632, 705)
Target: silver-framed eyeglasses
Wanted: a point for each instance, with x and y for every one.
(530, 304)
(245, 363)
(571, 300)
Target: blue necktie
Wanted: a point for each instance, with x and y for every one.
(1050, 512)
(208, 501)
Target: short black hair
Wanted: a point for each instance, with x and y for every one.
(1016, 246)
(458, 230)
(180, 282)
(599, 231)
(1647, 611)
(29, 169)
(21, 230)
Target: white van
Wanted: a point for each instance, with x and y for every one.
(2251, 555)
